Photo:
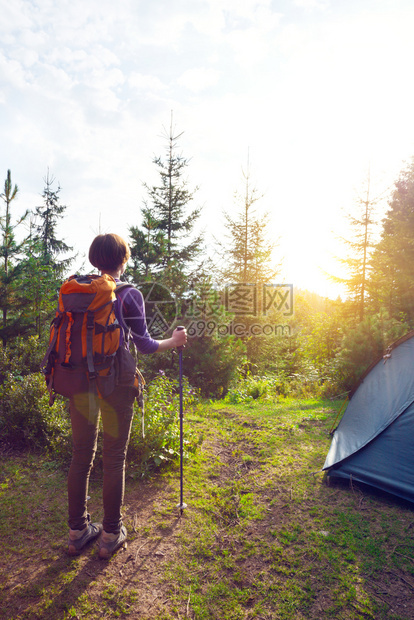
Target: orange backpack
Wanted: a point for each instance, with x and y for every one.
(84, 353)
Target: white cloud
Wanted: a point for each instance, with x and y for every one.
(53, 82)
(28, 57)
(143, 82)
(199, 79)
(312, 4)
(246, 9)
(12, 73)
(14, 17)
(31, 39)
(107, 79)
(249, 47)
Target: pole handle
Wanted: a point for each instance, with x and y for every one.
(180, 328)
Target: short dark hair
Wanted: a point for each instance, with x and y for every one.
(108, 252)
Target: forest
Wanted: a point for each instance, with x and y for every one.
(248, 336)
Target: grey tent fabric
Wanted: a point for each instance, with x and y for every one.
(374, 442)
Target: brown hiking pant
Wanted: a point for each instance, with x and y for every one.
(117, 413)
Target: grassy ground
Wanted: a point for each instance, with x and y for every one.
(263, 536)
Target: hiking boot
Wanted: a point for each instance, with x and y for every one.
(78, 539)
(109, 543)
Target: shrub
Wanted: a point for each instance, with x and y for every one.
(211, 364)
(22, 357)
(161, 443)
(28, 422)
(250, 387)
(364, 345)
(26, 419)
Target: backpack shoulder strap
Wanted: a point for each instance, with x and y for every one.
(120, 286)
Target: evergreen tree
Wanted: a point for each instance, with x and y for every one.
(246, 265)
(43, 268)
(147, 246)
(10, 269)
(45, 225)
(392, 280)
(40, 283)
(247, 254)
(163, 246)
(357, 264)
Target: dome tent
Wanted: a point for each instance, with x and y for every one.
(374, 441)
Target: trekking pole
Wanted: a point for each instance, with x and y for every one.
(181, 506)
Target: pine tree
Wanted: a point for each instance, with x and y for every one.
(392, 280)
(43, 268)
(40, 283)
(45, 224)
(163, 245)
(10, 269)
(247, 254)
(147, 246)
(246, 265)
(357, 264)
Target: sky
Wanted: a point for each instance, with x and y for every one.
(311, 95)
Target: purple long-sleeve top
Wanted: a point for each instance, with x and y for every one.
(130, 312)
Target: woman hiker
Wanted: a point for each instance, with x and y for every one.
(109, 254)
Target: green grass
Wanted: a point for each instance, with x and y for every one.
(263, 536)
